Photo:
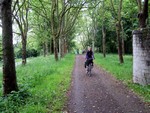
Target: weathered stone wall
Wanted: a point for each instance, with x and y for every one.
(141, 56)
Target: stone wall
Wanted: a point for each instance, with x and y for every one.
(141, 56)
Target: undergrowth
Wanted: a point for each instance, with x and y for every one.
(43, 84)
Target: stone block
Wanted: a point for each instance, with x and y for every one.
(141, 56)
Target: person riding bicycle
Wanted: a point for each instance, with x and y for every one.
(89, 57)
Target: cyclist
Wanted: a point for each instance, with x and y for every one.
(89, 57)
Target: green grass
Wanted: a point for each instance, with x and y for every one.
(123, 72)
(19, 59)
(43, 84)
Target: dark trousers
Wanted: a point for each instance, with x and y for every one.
(87, 62)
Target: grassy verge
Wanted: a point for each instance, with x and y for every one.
(123, 72)
(43, 84)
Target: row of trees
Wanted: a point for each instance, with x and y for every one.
(51, 23)
(114, 21)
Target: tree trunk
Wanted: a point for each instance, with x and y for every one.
(54, 26)
(24, 51)
(104, 31)
(55, 49)
(44, 49)
(51, 46)
(104, 40)
(9, 71)
(143, 15)
(118, 29)
(61, 47)
(123, 37)
(65, 47)
(62, 40)
(123, 49)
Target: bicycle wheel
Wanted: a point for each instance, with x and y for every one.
(87, 70)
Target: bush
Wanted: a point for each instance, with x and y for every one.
(30, 53)
(14, 100)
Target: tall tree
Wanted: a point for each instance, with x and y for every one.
(104, 30)
(117, 18)
(9, 71)
(93, 14)
(54, 26)
(62, 36)
(71, 11)
(21, 17)
(41, 23)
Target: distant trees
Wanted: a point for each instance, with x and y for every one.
(63, 17)
(115, 23)
(54, 24)
(21, 13)
(9, 71)
(57, 19)
(40, 22)
(103, 29)
(117, 17)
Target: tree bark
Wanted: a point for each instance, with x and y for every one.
(123, 38)
(143, 15)
(104, 40)
(44, 49)
(104, 31)
(24, 52)
(54, 26)
(65, 47)
(62, 33)
(139, 5)
(47, 49)
(60, 47)
(51, 46)
(9, 71)
(118, 30)
(21, 18)
(123, 48)
(119, 39)
(55, 49)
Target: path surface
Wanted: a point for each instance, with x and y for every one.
(100, 93)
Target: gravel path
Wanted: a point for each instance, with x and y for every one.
(100, 93)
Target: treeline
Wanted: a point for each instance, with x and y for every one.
(42, 26)
(49, 27)
(110, 25)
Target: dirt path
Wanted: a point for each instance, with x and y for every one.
(100, 93)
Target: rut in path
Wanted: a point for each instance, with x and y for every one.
(100, 93)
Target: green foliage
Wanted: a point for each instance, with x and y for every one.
(14, 100)
(30, 53)
(122, 72)
(104, 15)
(46, 81)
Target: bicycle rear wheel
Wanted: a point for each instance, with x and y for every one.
(89, 70)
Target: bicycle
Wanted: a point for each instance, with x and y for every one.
(89, 65)
(89, 69)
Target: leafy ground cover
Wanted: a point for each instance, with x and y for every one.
(43, 84)
(123, 72)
